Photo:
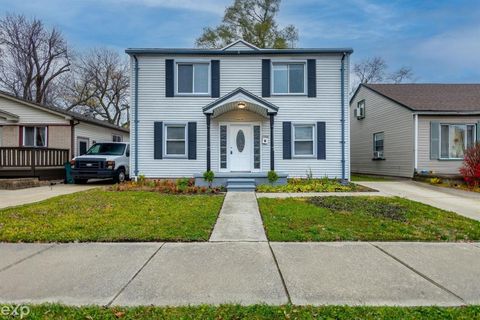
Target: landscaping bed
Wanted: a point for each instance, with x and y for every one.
(101, 215)
(366, 218)
(170, 186)
(46, 312)
(313, 185)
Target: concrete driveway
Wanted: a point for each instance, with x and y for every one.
(11, 198)
(462, 202)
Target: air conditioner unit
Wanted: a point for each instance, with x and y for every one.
(377, 154)
(360, 113)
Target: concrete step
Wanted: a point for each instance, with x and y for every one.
(240, 187)
(241, 180)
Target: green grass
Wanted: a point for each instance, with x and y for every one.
(364, 177)
(312, 185)
(362, 218)
(99, 215)
(225, 312)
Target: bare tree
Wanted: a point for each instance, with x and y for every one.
(33, 57)
(401, 75)
(370, 70)
(99, 86)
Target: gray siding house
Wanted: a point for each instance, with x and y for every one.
(240, 111)
(407, 129)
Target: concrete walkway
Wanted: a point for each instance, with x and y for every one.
(239, 219)
(462, 202)
(353, 273)
(10, 198)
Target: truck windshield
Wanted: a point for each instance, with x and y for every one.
(113, 149)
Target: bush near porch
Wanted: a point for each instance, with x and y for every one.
(365, 218)
(101, 215)
(312, 185)
(170, 186)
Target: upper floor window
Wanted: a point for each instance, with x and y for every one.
(193, 78)
(116, 138)
(360, 110)
(34, 136)
(378, 139)
(288, 77)
(303, 140)
(454, 139)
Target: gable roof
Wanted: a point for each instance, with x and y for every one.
(8, 115)
(62, 112)
(431, 97)
(240, 41)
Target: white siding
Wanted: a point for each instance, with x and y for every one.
(382, 115)
(97, 134)
(438, 166)
(240, 71)
(29, 114)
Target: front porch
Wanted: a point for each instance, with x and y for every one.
(224, 178)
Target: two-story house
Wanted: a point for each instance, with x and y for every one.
(240, 111)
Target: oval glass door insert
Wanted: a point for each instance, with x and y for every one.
(240, 140)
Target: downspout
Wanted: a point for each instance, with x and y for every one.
(136, 117)
(342, 96)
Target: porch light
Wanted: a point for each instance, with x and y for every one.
(241, 105)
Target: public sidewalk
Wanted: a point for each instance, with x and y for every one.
(353, 273)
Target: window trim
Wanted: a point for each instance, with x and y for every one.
(440, 138)
(314, 140)
(165, 140)
(374, 146)
(193, 62)
(34, 136)
(305, 77)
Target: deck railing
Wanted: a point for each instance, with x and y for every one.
(28, 159)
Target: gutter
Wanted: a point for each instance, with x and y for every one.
(342, 96)
(135, 107)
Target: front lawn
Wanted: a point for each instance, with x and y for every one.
(362, 218)
(46, 312)
(312, 185)
(100, 215)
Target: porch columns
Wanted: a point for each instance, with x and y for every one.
(272, 153)
(208, 141)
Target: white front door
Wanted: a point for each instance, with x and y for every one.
(240, 147)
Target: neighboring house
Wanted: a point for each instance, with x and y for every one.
(239, 111)
(56, 134)
(403, 129)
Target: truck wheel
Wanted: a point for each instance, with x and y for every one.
(80, 181)
(120, 176)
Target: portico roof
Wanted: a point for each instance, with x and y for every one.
(240, 97)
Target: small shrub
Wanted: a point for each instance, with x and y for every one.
(209, 176)
(309, 174)
(371, 206)
(435, 181)
(470, 169)
(179, 186)
(272, 176)
(141, 179)
(313, 185)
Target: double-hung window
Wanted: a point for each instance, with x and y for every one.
(288, 78)
(378, 139)
(34, 136)
(116, 138)
(193, 78)
(454, 139)
(303, 140)
(176, 140)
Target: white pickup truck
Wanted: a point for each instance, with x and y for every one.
(102, 160)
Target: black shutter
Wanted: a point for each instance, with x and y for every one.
(312, 77)
(321, 141)
(192, 140)
(215, 78)
(158, 140)
(287, 140)
(265, 77)
(169, 78)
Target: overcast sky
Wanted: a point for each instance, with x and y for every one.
(439, 39)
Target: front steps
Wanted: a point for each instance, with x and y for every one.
(241, 184)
